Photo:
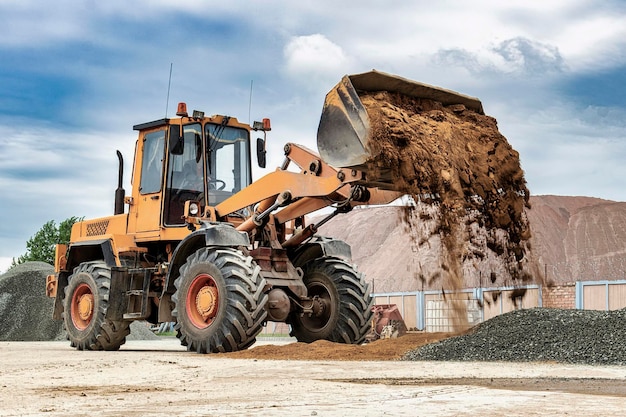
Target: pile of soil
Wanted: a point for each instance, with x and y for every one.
(379, 350)
(466, 179)
(26, 311)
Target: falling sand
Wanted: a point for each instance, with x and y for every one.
(466, 181)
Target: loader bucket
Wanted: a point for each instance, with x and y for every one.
(343, 134)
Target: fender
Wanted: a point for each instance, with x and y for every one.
(320, 246)
(210, 234)
(78, 253)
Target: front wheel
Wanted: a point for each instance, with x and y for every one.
(85, 306)
(220, 301)
(345, 310)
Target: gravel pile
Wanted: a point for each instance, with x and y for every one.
(26, 312)
(539, 334)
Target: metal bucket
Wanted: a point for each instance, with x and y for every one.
(344, 133)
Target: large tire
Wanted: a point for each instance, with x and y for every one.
(219, 301)
(347, 312)
(85, 307)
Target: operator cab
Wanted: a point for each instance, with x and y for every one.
(198, 158)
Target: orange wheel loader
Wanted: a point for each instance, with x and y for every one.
(198, 243)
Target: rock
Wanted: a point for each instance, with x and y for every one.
(139, 330)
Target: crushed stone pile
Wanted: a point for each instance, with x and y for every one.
(540, 334)
(26, 312)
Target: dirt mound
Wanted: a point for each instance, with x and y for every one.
(26, 311)
(379, 350)
(579, 238)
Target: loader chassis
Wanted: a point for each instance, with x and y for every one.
(245, 258)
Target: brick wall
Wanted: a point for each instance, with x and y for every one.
(559, 296)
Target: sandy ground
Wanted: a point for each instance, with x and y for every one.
(159, 378)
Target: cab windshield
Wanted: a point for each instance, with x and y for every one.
(227, 161)
(211, 165)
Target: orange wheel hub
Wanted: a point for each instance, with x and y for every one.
(82, 306)
(202, 301)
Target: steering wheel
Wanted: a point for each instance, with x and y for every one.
(217, 184)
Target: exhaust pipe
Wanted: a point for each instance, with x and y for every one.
(120, 193)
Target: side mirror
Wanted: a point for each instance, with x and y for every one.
(176, 141)
(198, 148)
(261, 152)
(177, 146)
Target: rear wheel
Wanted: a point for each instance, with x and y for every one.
(220, 303)
(344, 308)
(85, 306)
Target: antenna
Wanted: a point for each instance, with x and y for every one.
(169, 83)
(250, 102)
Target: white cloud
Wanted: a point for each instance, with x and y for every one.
(516, 56)
(593, 41)
(50, 174)
(568, 150)
(30, 22)
(5, 263)
(314, 56)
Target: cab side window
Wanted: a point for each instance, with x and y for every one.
(152, 163)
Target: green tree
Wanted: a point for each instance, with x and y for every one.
(41, 246)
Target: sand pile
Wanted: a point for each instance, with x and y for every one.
(466, 178)
(26, 312)
(379, 350)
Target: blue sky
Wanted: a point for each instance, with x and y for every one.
(76, 76)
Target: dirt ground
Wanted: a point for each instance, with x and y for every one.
(159, 378)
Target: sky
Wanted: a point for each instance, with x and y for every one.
(76, 76)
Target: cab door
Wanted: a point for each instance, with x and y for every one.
(149, 200)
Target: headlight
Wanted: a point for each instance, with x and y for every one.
(194, 209)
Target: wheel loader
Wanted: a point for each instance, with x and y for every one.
(198, 243)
